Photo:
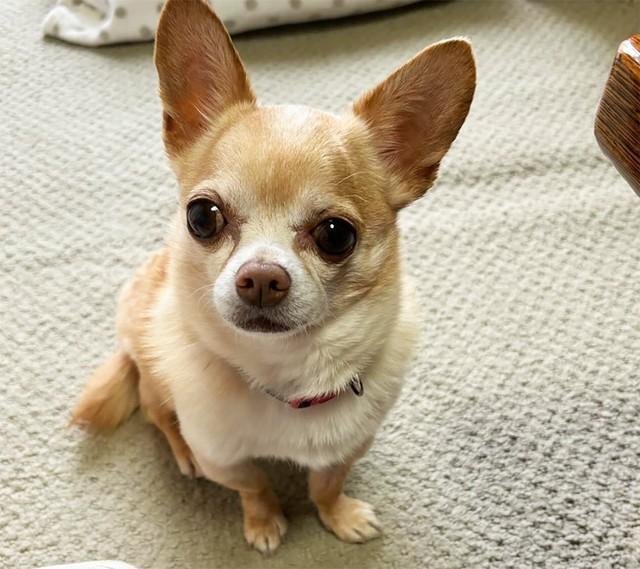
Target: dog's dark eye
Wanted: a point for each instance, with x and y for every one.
(335, 237)
(204, 219)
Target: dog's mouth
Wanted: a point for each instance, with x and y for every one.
(267, 320)
(263, 325)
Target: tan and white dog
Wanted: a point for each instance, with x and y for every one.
(277, 322)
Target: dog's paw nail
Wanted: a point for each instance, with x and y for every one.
(185, 467)
(351, 520)
(188, 466)
(265, 535)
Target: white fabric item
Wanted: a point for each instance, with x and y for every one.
(102, 22)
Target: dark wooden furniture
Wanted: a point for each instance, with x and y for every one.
(617, 125)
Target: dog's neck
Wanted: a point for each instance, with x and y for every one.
(311, 366)
(354, 387)
(300, 366)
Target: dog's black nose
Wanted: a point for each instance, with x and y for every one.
(262, 284)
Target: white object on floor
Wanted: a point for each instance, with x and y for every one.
(102, 22)
(93, 565)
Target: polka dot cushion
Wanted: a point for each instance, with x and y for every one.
(101, 22)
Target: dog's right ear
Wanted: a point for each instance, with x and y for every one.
(415, 114)
(200, 71)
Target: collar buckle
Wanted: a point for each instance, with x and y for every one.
(356, 385)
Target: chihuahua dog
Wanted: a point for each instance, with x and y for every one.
(277, 322)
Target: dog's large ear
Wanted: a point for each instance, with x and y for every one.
(414, 115)
(199, 69)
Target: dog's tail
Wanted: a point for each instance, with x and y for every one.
(110, 396)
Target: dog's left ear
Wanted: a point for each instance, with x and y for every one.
(200, 71)
(414, 115)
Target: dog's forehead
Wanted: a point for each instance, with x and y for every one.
(288, 124)
(277, 154)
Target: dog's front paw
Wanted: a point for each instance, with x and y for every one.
(265, 533)
(351, 520)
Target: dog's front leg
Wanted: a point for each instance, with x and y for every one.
(264, 523)
(351, 520)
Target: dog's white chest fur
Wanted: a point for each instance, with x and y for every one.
(227, 430)
(226, 416)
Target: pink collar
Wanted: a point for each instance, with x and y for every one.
(355, 384)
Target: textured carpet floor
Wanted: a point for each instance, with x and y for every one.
(517, 440)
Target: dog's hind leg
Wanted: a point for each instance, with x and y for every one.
(157, 406)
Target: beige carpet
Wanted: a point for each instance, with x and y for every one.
(517, 440)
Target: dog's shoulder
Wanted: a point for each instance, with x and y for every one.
(138, 298)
